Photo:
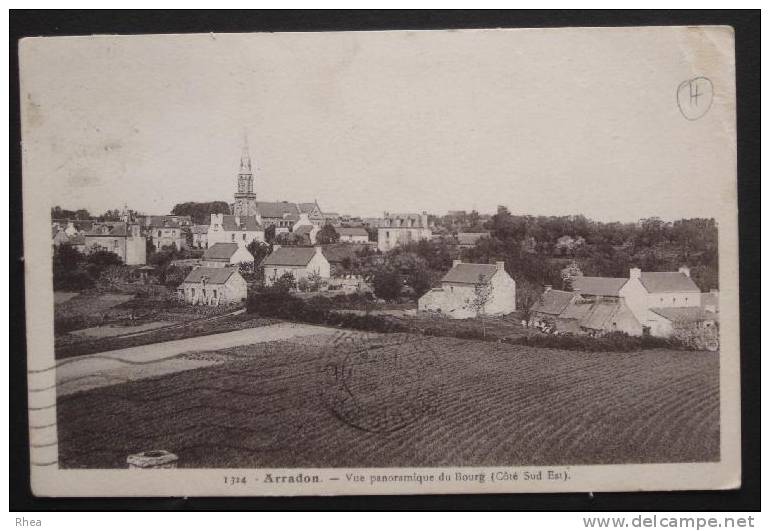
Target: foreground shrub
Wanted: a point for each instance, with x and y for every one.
(612, 342)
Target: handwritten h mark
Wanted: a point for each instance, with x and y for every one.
(694, 94)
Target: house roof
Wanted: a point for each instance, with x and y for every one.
(470, 238)
(352, 231)
(401, 220)
(77, 239)
(159, 222)
(667, 282)
(470, 273)
(220, 251)
(306, 208)
(277, 209)
(289, 256)
(200, 229)
(553, 302)
(214, 275)
(117, 228)
(600, 286)
(244, 223)
(600, 313)
(576, 310)
(687, 314)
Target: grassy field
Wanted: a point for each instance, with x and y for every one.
(401, 400)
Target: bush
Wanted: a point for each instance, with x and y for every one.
(612, 342)
(387, 284)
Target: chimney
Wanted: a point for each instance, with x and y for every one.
(500, 266)
(547, 288)
(456, 262)
(685, 270)
(634, 272)
(424, 219)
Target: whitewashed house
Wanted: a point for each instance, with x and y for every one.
(200, 236)
(226, 254)
(458, 291)
(299, 261)
(213, 286)
(233, 229)
(399, 229)
(646, 292)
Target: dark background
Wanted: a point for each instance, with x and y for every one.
(747, 45)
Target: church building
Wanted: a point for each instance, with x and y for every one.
(245, 199)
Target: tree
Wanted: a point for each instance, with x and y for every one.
(112, 275)
(270, 234)
(68, 271)
(259, 250)
(328, 234)
(386, 283)
(527, 294)
(314, 281)
(568, 274)
(285, 283)
(482, 294)
(200, 213)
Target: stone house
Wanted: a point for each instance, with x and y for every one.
(457, 292)
(299, 261)
(353, 234)
(283, 215)
(226, 255)
(399, 229)
(213, 286)
(225, 228)
(120, 238)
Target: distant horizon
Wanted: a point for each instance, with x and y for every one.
(467, 211)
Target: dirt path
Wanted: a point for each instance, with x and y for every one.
(135, 363)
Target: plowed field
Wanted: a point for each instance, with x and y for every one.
(357, 400)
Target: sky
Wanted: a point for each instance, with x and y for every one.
(546, 122)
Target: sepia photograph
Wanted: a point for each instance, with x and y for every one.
(381, 262)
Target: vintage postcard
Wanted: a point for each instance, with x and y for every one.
(392, 262)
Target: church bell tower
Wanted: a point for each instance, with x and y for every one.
(245, 198)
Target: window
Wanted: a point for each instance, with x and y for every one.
(674, 299)
(232, 237)
(159, 233)
(192, 292)
(244, 236)
(215, 294)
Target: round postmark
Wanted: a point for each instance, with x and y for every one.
(694, 97)
(382, 383)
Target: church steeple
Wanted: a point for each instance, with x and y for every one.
(245, 198)
(245, 158)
